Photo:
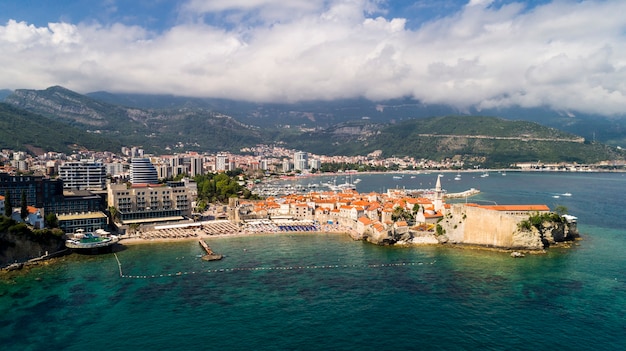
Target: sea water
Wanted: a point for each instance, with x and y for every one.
(325, 291)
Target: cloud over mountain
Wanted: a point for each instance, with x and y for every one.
(569, 55)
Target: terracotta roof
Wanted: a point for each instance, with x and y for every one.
(526, 208)
(432, 215)
(365, 220)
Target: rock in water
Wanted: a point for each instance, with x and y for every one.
(213, 257)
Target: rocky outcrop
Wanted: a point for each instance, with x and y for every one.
(556, 232)
(527, 240)
(495, 229)
(384, 237)
(20, 248)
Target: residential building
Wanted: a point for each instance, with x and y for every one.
(86, 174)
(221, 162)
(300, 161)
(142, 172)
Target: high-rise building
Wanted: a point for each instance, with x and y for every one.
(286, 165)
(142, 172)
(221, 162)
(300, 161)
(195, 166)
(315, 163)
(83, 175)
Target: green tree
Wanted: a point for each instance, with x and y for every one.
(561, 210)
(23, 206)
(133, 228)
(8, 204)
(400, 214)
(113, 212)
(51, 220)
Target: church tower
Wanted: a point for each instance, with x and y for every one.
(438, 203)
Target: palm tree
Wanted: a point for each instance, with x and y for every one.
(113, 213)
(133, 227)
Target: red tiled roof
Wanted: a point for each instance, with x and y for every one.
(519, 208)
(365, 220)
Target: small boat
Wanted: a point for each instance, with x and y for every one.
(567, 194)
(398, 177)
(458, 177)
(484, 175)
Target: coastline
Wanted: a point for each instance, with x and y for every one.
(140, 241)
(451, 170)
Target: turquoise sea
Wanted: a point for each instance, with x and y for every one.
(327, 292)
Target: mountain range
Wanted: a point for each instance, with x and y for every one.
(167, 124)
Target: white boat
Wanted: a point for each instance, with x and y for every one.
(567, 194)
(398, 177)
(484, 175)
(458, 176)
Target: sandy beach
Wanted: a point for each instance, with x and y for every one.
(222, 229)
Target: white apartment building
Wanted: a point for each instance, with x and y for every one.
(221, 162)
(300, 161)
(83, 175)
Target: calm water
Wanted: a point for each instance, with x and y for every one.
(315, 292)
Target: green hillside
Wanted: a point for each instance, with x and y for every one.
(477, 140)
(20, 130)
(82, 121)
(155, 130)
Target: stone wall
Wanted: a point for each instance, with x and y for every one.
(478, 226)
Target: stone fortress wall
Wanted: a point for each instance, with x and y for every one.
(479, 226)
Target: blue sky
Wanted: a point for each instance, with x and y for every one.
(159, 15)
(566, 54)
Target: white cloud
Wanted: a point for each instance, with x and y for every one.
(569, 55)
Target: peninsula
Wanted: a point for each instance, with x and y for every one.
(400, 217)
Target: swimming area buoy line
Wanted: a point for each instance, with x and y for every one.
(283, 268)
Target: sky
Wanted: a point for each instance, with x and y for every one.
(569, 55)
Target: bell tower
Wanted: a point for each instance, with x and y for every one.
(438, 202)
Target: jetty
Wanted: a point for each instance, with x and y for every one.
(462, 194)
(210, 255)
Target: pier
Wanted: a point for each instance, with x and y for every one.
(210, 255)
(463, 194)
